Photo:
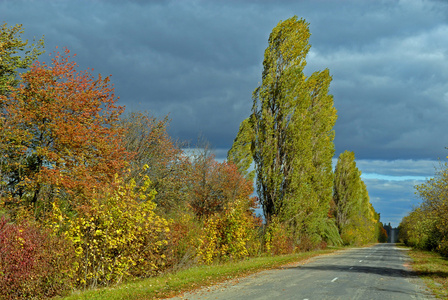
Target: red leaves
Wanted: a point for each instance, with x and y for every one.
(32, 262)
(216, 184)
(67, 120)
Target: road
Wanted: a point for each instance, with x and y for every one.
(377, 272)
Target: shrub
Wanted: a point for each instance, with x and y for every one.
(229, 235)
(310, 242)
(33, 263)
(276, 238)
(183, 239)
(117, 236)
(443, 248)
(330, 234)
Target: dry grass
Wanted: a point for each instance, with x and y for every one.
(433, 268)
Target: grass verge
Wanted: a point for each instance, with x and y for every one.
(171, 284)
(433, 268)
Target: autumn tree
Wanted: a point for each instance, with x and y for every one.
(311, 181)
(368, 219)
(293, 118)
(363, 224)
(215, 184)
(347, 188)
(426, 227)
(147, 140)
(15, 56)
(435, 195)
(60, 134)
(355, 216)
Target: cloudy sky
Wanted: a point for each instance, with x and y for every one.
(199, 62)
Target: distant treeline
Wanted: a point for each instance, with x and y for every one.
(90, 196)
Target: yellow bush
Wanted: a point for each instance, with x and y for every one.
(276, 238)
(229, 235)
(117, 235)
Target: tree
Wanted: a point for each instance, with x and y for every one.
(347, 189)
(355, 216)
(426, 227)
(312, 172)
(15, 55)
(215, 185)
(146, 138)
(61, 134)
(293, 118)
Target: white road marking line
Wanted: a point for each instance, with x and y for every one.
(351, 268)
(360, 261)
(334, 279)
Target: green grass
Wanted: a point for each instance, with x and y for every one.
(172, 284)
(433, 268)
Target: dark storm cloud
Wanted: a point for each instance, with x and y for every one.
(390, 78)
(190, 59)
(201, 60)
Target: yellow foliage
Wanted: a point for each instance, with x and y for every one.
(276, 239)
(360, 231)
(117, 235)
(229, 235)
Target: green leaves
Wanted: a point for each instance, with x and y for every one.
(355, 217)
(426, 227)
(241, 152)
(292, 119)
(15, 54)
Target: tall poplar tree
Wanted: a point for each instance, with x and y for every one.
(293, 118)
(355, 216)
(347, 189)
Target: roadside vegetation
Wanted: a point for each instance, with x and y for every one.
(426, 227)
(433, 268)
(94, 197)
(172, 284)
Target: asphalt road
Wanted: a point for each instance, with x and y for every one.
(378, 272)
